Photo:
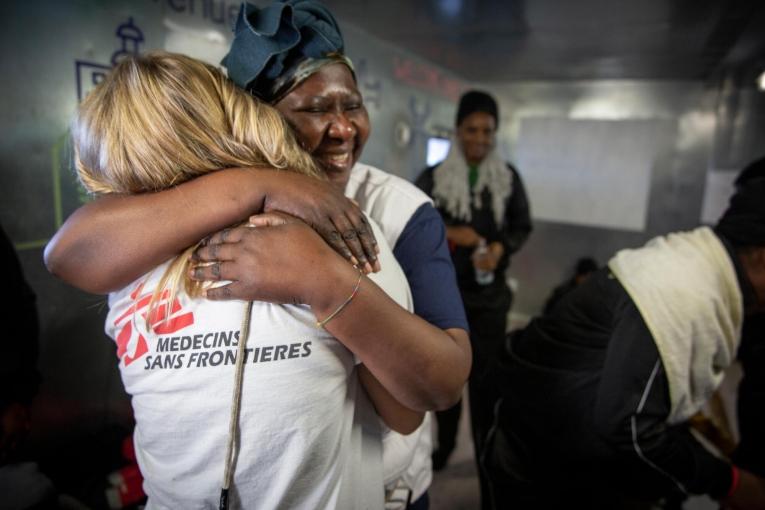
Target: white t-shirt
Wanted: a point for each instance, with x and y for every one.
(298, 402)
(391, 201)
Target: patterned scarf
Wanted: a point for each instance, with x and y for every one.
(451, 187)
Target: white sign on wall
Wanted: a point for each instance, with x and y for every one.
(589, 172)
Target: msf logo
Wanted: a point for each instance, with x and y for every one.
(166, 318)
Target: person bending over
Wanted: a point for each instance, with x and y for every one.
(598, 394)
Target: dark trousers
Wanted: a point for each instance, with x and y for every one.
(448, 423)
(422, 503)
(488, 329)
(487, 337)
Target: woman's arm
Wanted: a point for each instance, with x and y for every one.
(397, 417)
(422, 366)
(110, 242)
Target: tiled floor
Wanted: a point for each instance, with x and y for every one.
(456, 486)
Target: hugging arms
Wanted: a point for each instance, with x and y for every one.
(104, 245)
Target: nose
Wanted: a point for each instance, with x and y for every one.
(342, 128)
(484, 138)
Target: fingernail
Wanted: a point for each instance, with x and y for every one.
(377, 266)
(367, 268)
(354, 261)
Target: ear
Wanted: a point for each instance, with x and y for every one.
(757, 257)
(753, 260)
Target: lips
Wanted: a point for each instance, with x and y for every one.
(336, 161)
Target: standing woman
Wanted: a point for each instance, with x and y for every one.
(290, 54)
(484, 206)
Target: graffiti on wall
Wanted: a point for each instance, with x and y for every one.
(425, 77)
(217, 11)
(89, 74)
(371, 86)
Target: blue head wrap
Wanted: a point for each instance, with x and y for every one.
(271, 43)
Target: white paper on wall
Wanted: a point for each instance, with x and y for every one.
(589, 172)
(718, 190)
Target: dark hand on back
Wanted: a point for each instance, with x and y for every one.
(281, 260)
(335, 217)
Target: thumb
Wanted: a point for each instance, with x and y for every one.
(269, 219)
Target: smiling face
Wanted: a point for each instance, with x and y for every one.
(327, 113)
(475, 135)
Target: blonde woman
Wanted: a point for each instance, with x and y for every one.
(163, 119)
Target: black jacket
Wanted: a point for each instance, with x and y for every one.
(586, 401)
(512, 235)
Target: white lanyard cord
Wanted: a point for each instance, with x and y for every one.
(233, 425)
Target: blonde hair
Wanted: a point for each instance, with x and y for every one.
(161, 119)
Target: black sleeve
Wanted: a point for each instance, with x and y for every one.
(556, 295)
(517, 216)
(425, 181)
(631, 409)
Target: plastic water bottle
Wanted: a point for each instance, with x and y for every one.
(482, 277)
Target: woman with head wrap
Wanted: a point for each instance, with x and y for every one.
(598, 393)
(483, 203)
(160, 120)
(291, 55)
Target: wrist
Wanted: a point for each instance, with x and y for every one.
(289, 192)
(321, 323)
(260, 186)
(244, 187)
(331, 286)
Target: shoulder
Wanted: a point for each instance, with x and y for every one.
(513, 170)
(368, 181)
(386, 198)
(391, 278)
(422, 238)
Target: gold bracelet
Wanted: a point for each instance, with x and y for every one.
(321, 324)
